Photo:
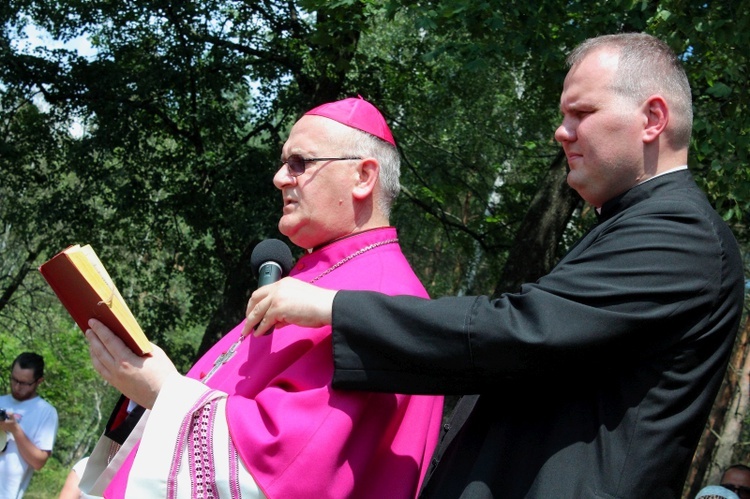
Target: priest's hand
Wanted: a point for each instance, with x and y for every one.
(288, 301)
(138, 378)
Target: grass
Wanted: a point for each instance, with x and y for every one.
(47, 482)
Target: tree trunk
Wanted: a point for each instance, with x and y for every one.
(737, 410)
(238, 286)
(717, 445)
(534, 250)
(18, 278)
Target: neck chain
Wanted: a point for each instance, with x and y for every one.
(356, 253)
(225, 356)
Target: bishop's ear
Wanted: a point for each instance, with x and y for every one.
(368, 171)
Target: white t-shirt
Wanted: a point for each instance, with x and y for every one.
(38, 419)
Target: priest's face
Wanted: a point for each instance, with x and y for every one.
(318, 203)
(601, 131)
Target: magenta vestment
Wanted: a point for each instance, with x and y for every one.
(297, 436)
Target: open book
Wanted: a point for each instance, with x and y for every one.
(85, 289)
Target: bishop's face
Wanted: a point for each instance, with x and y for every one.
(318, 204)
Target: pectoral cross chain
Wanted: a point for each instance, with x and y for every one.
(223, 359)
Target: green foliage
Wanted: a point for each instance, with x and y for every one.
(713, 37)
(82, 399)
(46, 483)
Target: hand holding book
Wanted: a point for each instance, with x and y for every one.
(139, 378)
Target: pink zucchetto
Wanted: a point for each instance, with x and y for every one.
(356, 113)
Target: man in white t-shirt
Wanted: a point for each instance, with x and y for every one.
(28, 425)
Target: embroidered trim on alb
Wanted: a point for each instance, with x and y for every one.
(179, 447)
(200, 453)
(234, 471)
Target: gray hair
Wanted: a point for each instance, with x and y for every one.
(647, 66)
(363, 144)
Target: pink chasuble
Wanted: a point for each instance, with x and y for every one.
(298, 437)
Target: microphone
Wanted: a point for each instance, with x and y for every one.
(271, 260)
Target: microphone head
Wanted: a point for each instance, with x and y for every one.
(271, 250)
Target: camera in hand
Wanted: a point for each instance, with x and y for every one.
(3, 415)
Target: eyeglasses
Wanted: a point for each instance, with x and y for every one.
(22, 383)
(296, 164)
(740, 490)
